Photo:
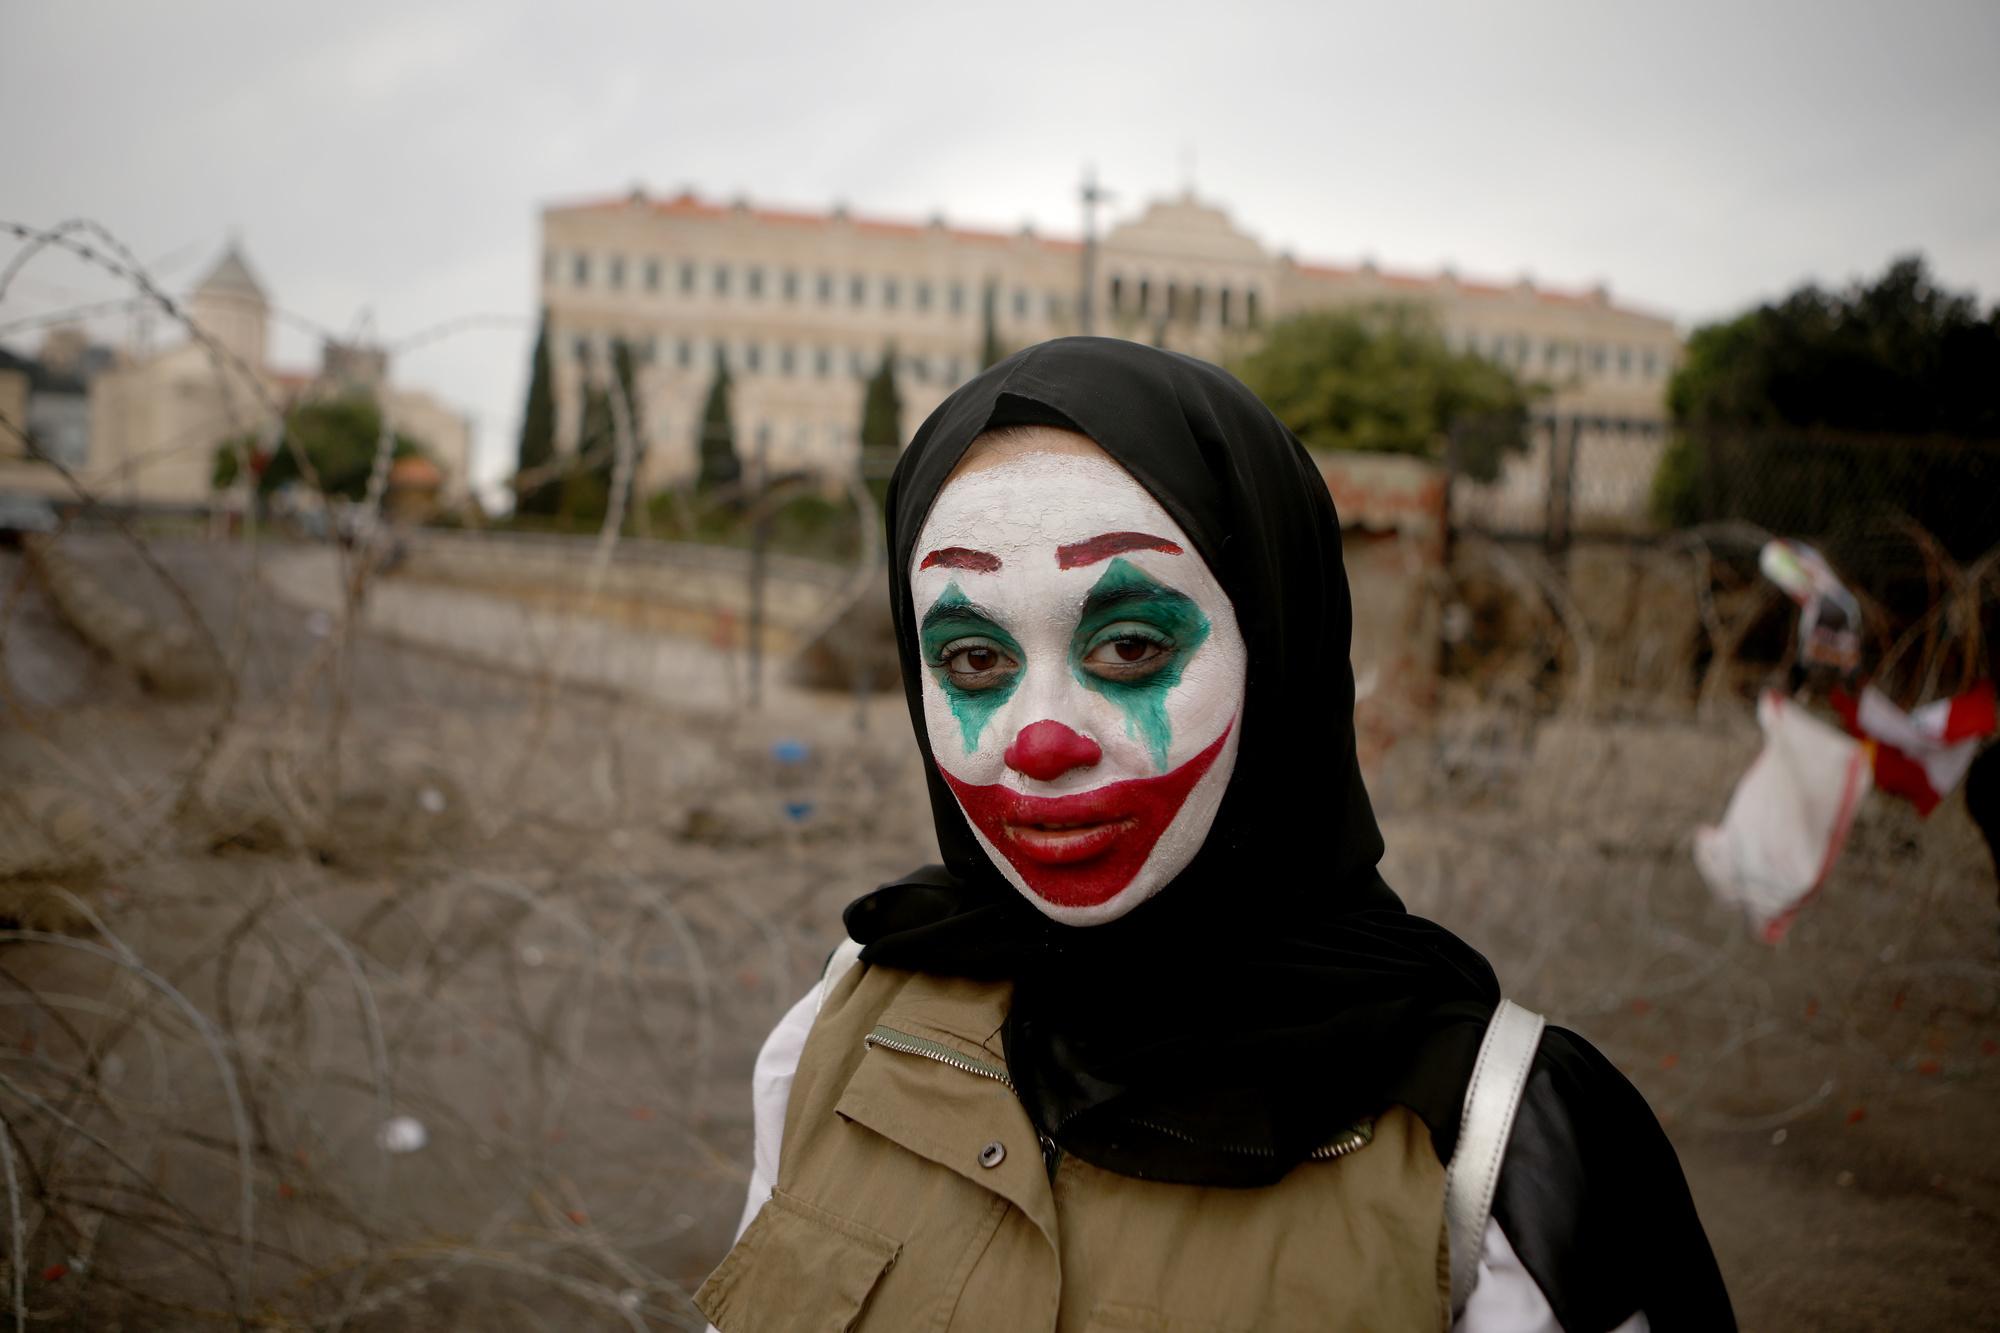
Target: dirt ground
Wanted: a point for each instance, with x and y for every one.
(378, 888)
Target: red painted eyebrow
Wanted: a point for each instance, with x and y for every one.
(1109, 544)
(961, 557)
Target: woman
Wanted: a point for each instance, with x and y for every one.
(1155, 1047)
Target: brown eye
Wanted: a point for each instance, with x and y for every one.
(1127, 657)
(976, 666)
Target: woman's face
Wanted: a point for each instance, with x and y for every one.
(1082, 672)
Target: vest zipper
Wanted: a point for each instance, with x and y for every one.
(890, 1039)
(1347, 1141)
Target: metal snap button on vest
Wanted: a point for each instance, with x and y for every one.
(993, 1154)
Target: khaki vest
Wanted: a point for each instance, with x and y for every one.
(912, 1194)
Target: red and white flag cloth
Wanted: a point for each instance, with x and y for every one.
(1787, 819)
(1921, 755)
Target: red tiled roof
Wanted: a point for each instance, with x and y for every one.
(1471, 286)
(689, 205)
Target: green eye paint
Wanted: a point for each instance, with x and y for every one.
(953, 617)
(1125, 594)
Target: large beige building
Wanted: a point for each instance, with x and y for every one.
(156, 419)
(804, 306)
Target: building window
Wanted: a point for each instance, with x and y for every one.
(753, 358)
(1173, 299)
(687, 277)
(958, 298)
(1145, 295)
(1222, 307)
(1020, 303)
(684, 354)
(857, 365)
(721, 354)
(1250, 308)
(1624, 361)
(616, 272)
(953, 374)
(652, 275)
(551, 264)
(579, 272)
(1054, 306)
(823, 362)
(923, 296)
(890, 293)
(649, 350)
(857, 290)
(1549, 353)
(722, 279)
(582, 348)
(753, 281)
(787, 359)
(826, 289)
(1195, 295)
(1597, 358)
(791, 284)
(918, 371)
(1117, 294)
(1649, 363)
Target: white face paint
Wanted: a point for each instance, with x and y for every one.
(1083, 674)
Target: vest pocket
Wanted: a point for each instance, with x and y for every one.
(797, 1268)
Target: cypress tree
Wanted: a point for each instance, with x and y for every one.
(882, 408)
(715, 445)
(990, 349)
(881, 426)
(537, 446)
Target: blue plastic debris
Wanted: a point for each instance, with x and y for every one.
(790, 752)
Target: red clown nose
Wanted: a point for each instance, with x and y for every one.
(1046, 750)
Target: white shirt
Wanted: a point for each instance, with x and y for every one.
(1506, 1300)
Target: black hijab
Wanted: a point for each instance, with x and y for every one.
(1276, 992)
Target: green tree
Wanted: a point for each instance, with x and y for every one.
(1806, 414)
(586, 488)
(338, 437)
(1896, 356)
(536, 448)
(881, 426)
(882, 407)
(715, 445)
(1382, 379)
(991, 350)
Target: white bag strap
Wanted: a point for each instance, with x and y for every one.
(1498, 1078)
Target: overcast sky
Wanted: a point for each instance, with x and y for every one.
(390, 158)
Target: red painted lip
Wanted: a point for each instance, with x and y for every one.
(1081, 849)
